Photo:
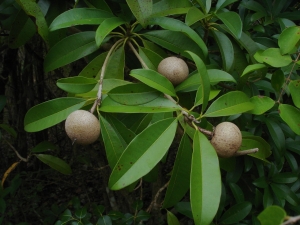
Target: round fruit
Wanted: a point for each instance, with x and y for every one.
(82, 127)
(227, 139)
(173, 68)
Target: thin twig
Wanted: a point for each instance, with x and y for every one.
(138, 56)
(17, 153)
(291, 219)
(246, 152)
(156, 196)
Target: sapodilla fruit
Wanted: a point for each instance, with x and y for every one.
(173, 68)
(227, 139)
(82, 127)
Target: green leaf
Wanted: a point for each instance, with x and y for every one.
(216, 76)
(9, 130)
(237, 192)
(98, 4)
(139, 125)
(284, 192)
(141, 10)
(76, 85)
(55, 163)
(223, 3)
(79, 16)
(151, 58)
(176, 25)
(199, 99)
(288, 39)
(143, 153)
(252, 68)
(205, 5)
(233, 22)
(285, 178)
(272, 215)
(290, 115)
(43, 147)
(194, 15)
(104, 220)
(205, 186)
(114, 145)
(226, 49)
(174, 41)
(106, 27)
(276, 133)
(70, 49)
(273, 57)
(133, 94)
(180, 178)
(261, 104)
(32, 9)
(277, 80)
(115, 65)
(170, 7)
(50, 113)
(294, 87)
(236, 213)
(184, 208)
(21, 31)
(204, 80)
(93, 68)
(154, 79)
(172, 219)
(231, 103)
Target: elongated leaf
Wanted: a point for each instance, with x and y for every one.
(231, 103)
(180, 179)
(140, 125)
(114, 146)
(172, 219)
(272, 215)
(199, 99)
(9, 130)
(236, 213)
(93, 68)
(285, 178)
(177, 25)
(288, 39)
(76, 85)
(261, 104)
(151, 58)
(70, 49)
(223, 3)
(133, 94)
(55, 163)
(174, 41)
(226, 49)
(32, 9)
(155, 80)
(141, 10)
(194, 15)
(115, 65)
(98, 4)
(254, 67)
(237, 192)
(294, 87)
(204, 80)
(79, 16)
(290, 115)
(43, 147)
(205, 187)
(106, 27)
(276, 133)
(216, 76)
(143, 153)
(278, 79)
(50, 113)
(170, 7)
(233, 22)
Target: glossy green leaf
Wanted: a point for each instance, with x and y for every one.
(81, 212)
(236, 213)
(233, 22)
(143, 153)
(277, 80)
(104, 220)
(93, 68)
(50, 113)
(174, 41)
(199, 99)
(216, 76)
(194, 15)
(176, 25)
(77, 84)
(290, 115)
(172, 219)
(237, 192)
(205, 5)
(115, 65)
(140, 125)
(43, 147)
(151, 58)
(180, 178)
(141, 10)
(226, 49)
(32, 9)
(231, 103)
(184, 208)
(284, 192)
(9, 130)
(170, 7)
(22, 30)
(261, 104)
(205, 186)
(272, 215)
(294, 87)
(285, 178)
(276, 133)
(273, 57)
(255, 6)
(154, 79)
(288, 39)
(106, 27)
(55, 163)
(98, 4)
(133, 94)
(114, 145)
(70, 49)
(79, 16)
(223, 3)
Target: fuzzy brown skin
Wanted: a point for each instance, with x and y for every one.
(82, 127)
(173, 68)
(227, 139)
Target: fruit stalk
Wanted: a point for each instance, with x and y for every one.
(246, 152)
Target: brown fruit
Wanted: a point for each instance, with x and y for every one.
(173, 68)
(82, 127)
(227, 139)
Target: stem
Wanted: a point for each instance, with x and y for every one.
(99, 94)
(291, 219)
(138, 56)
(246, 152)
(17, 153)
(156, 196)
